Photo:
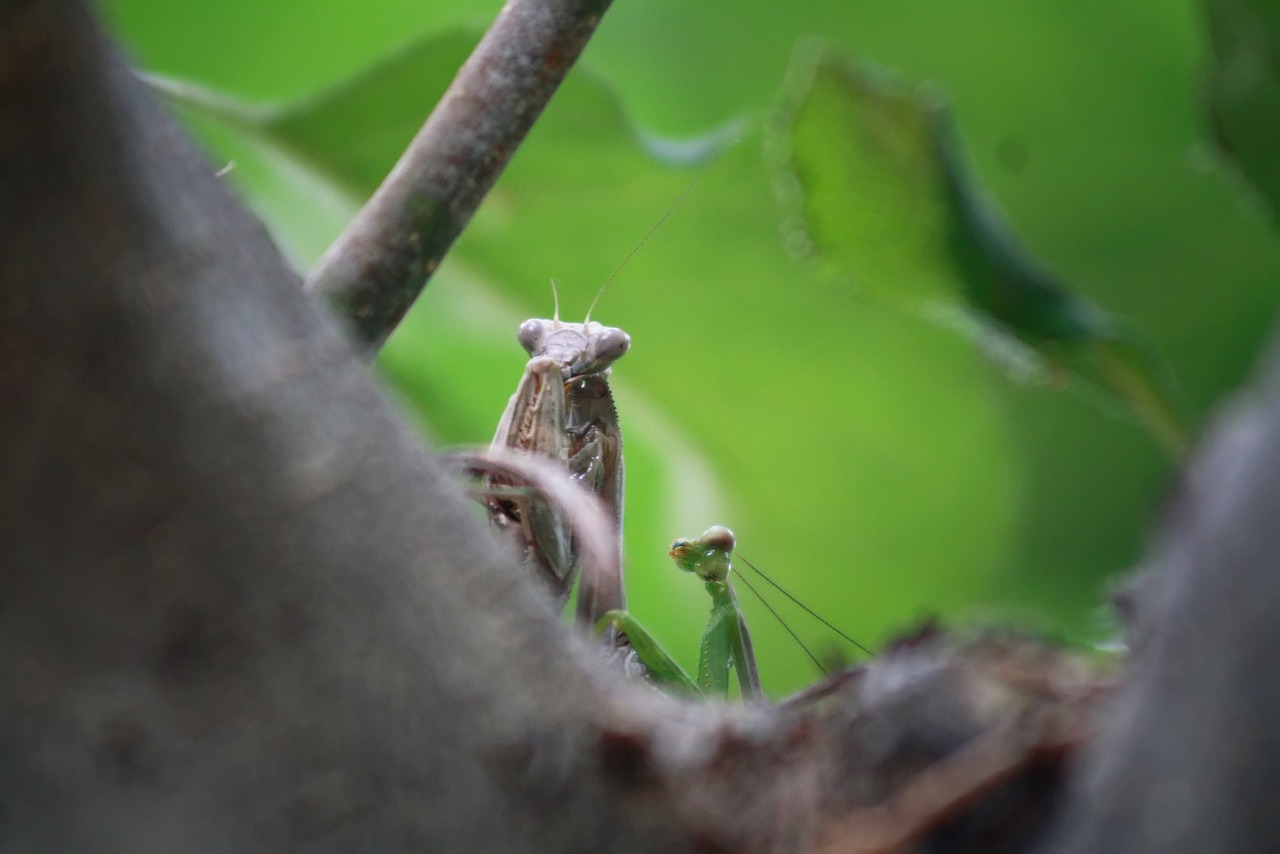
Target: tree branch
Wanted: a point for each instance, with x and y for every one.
(379, 265)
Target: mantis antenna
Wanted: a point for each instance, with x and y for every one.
(555, 300)
(795, 637)
(805, 607)
(645, 239)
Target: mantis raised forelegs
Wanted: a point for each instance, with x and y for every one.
(726, 642)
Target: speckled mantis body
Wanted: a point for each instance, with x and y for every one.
(563, 409)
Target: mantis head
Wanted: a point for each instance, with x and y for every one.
(708, 557)
(579, 348)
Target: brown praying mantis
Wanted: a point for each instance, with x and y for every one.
(563, 409)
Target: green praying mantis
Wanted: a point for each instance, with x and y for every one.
(726, 643)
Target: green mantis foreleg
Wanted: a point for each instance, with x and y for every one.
(726, 642)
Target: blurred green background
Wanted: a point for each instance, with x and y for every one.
(882, 468)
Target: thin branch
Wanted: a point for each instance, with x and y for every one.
(593, 531)
(375, 270)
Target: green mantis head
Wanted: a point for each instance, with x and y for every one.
(708, 557)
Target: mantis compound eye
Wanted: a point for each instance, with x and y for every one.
(531, 335)
(720, 538)
(606, 346)
(612, 345)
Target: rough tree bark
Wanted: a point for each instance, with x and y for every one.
(242, 609)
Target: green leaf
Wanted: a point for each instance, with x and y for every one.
(874, 174)
(1243, 86)
(351, 132)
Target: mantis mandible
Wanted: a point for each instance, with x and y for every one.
(726, 643)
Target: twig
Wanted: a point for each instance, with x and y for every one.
(953, 784)
(592, 531)
(377, 267)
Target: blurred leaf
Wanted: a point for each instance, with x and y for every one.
(883, 196)
(286, 49)
(347, 132)
(1244, 88)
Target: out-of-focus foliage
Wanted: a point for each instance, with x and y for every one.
(884, 467)
(881, 192)
(1244, 87)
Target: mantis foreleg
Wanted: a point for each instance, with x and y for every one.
(661, 667)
